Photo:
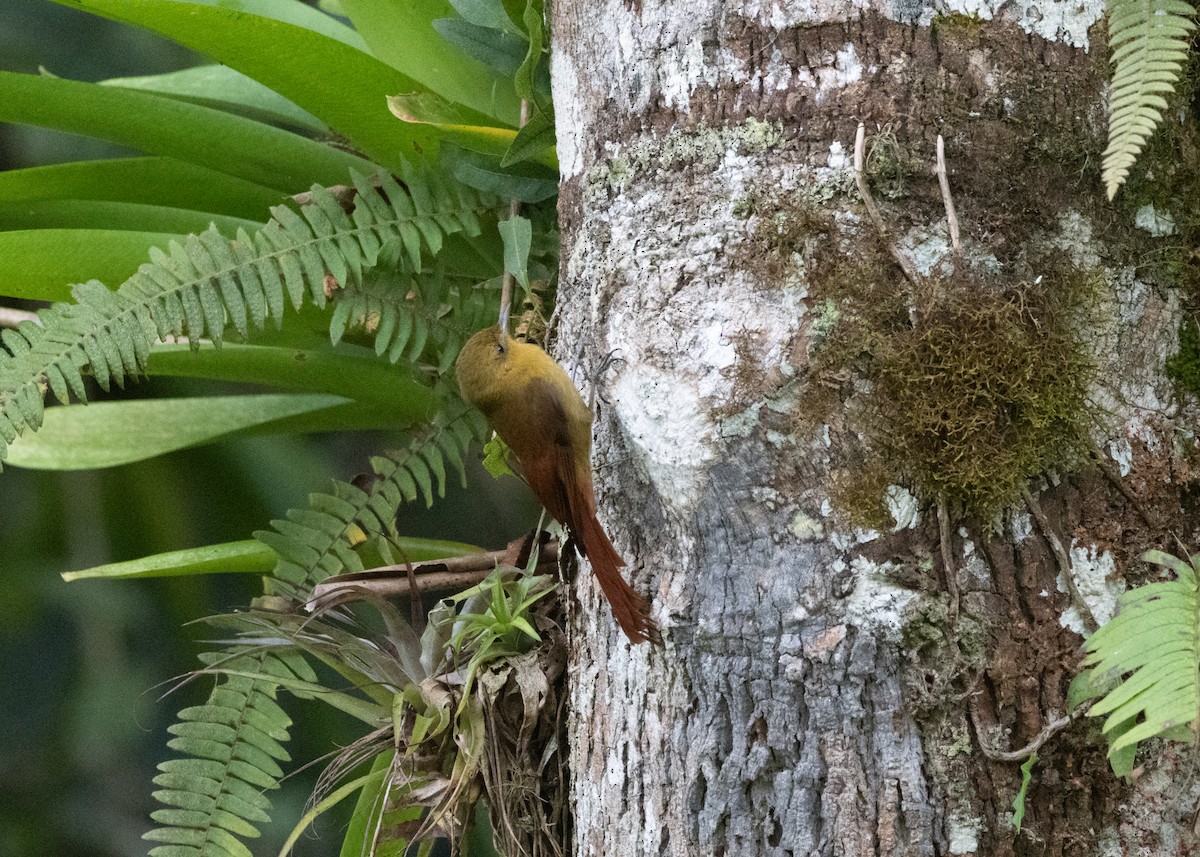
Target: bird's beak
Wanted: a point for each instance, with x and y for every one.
(504, 310)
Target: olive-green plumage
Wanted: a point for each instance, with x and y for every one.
(531, 403)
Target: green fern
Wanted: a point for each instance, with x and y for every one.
(317, 542)
(406, 312)
(197, 288)
(232, 747)
(1145, 664)
(1149, 40)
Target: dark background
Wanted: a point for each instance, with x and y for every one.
(83, 666)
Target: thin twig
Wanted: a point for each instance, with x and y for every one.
(10, 317)
(514, 208)
(860, 179)
(948, 559)
(1119, 484)
(439, 575)
(944, 183)
(1048, 731)
(1061, 558)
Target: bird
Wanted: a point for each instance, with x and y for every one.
(531, 403)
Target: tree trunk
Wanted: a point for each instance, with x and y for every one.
(829, 687)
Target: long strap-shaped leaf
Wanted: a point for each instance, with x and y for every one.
(198, 287)
(157, 125)
(340, 85)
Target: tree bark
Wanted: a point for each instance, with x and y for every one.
(826, 688)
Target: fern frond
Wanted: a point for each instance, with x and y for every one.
(318, 542)
(230, 750)
(405, 312)
(1149, 41)
(1146, 663)
(199, 287)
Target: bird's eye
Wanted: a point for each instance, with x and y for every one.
(499, 349)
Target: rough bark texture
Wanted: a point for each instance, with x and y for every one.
(816, 695)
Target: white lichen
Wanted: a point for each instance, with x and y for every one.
(668, 429)
(1121, 451)
(963, 832)
(568, 115)
(1022, 526)
(806, 528)
(1094, 575)
(876, 605)
(903, 507)
(1160, 224)
(838, 72)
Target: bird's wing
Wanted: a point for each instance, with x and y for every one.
(551, 462)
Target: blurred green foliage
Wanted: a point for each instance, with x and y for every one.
(84, 665)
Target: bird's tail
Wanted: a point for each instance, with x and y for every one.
(631, 610)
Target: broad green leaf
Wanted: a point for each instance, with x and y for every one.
(532, 142)
(364, 823)
(517, 233)
(131, 216)
(351, 372)
(187, 132)
(496, 49)
(340, 85)
(290, 12)
(105, 434)
(401, 33)
(524, 182)
(428, 109)
(150, 180)
(41, 264)
(486, 13)
(224, 88)
(495, 458)
(526, 76)
(245, 557)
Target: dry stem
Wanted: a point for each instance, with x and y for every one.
(948, 559)
(10, 317)
(1060, 557)
(944, 184)
(860, 179)
(514, 208)
(452, 574)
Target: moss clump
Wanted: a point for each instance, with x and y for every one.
(862, 490)
(957, 24)
(965, 400)
(1184, 367)
(986, 391)
(891, 168)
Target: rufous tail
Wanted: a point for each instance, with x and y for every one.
(631, 610)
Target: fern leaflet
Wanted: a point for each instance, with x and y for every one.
(232, 746)
(197, 288)
(1149, 41)
(1145, 664)
(317, 542)
(405, 312)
